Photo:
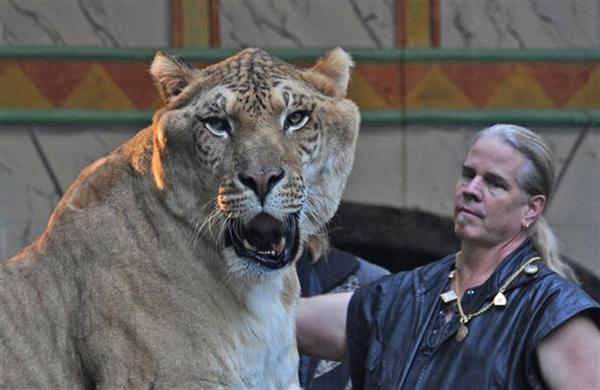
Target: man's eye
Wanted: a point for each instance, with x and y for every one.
(217, 126)
(467, 174)
(296, 120)
(495, 184)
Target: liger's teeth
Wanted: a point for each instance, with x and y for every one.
(249, 246)
(280, 246)
(276, 251)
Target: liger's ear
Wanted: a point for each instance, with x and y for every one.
(171, 75)
(331, 73)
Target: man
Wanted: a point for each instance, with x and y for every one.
(496, 315)
(335, 272)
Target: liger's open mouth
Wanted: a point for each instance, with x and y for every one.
(265, 240)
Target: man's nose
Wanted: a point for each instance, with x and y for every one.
(473, 188)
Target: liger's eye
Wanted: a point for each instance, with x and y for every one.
(296, 120)
(217, 126)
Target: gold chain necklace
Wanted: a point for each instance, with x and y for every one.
(499, 299)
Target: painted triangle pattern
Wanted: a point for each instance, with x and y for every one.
(127, 85)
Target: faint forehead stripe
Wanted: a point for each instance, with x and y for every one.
(215, 105)
(252, 78)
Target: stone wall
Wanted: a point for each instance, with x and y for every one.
(106, 23)
(373, 24)
(413, 167)
(520, 24)
(405, 163)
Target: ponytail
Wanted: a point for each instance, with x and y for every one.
(547, 245)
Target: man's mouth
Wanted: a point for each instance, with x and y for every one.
(265, 240)
(466, 210)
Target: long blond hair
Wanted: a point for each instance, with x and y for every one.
(536, 177)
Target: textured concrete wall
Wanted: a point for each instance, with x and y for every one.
(296, 24)
(415, 166)
(309, 23)
(520, 24)
(138, 23)
(412, 167)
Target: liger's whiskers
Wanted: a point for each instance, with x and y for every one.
(196, 229)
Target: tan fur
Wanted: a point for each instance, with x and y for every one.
(131, 284)
(331, 74)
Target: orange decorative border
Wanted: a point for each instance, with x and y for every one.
(177, 23)
(127, 85)
(215, 23)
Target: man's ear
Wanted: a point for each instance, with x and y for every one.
(535, 206)
(331, 73)
(171, 75)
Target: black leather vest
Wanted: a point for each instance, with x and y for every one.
(398, 338)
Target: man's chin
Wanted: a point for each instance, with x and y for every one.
(464, 230)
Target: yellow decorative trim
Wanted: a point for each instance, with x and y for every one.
(436, 90)
(98, 91)
(519, 90)
(418, 23)
(589, 95)
(196, 23)
(17, 91)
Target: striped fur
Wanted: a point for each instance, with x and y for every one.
(131, 284)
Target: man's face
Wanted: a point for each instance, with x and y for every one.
(488, 203)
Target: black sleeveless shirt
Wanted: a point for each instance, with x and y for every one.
(399, 336)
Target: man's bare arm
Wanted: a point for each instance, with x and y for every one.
(321, 326)
(569, 357)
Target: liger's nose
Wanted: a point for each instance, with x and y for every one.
(262, 183)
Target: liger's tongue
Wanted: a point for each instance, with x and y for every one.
(264, 234)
